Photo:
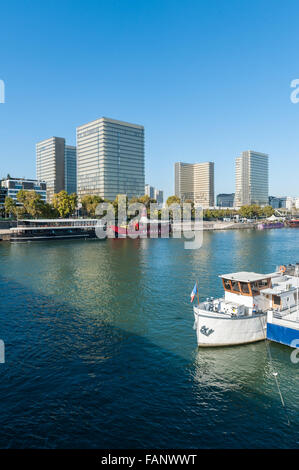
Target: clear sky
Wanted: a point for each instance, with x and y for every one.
(207, 79)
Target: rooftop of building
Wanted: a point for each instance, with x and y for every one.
(256, 153)
(49, 138)
(113, 121)
(10, 178)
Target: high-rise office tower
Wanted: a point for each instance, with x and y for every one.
(195, 181)
(70, 169)
(50, 164)
(53, 159)
(110, 159)
(149, 191)
(252, 179)
(159, 195)
(154, 193)
(225, 200)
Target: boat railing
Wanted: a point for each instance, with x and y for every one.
(282, 314)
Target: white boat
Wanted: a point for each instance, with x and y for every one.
(241, 315)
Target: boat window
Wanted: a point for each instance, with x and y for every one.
(276, 299)
(262, 284)
(227, 285)
(245, 288)
(254, 288)
(235, 286)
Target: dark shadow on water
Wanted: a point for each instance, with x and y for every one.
(72, 381)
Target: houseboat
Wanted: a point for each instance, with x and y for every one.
(142, 228)
(53, 229)
(237, 318)
(293, 223)
(270, 225)
(254, 307)
(283, 318)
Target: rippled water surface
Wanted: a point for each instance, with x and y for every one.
(100, 350)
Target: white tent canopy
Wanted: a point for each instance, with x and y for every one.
(273, 218)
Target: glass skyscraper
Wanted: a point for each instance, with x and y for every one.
(252, 179)
(195, 181)
(110, 158)
(70, 169)
(56, 165)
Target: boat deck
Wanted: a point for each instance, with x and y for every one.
(283, 327)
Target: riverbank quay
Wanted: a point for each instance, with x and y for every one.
(221, 225)
(213, 225)
(5, 233)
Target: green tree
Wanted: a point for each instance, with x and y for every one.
(133, 200)
(10, 206)
(146, 200)
(173, 200)
(267, 211)
(90, 203)
(49, 212)
(32, 203)
(250, 212)
(64, 203)
(120, 202)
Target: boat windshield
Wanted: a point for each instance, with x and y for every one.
(252, 288)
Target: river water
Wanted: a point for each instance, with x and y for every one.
(100, 350)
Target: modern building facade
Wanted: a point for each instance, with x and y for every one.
(110, 159)
(278, 202)
(3, 194)
(225, 200)
(56, 165)
(149, 191)
(70, 169)
(292, 203)
(50, 164)
(195, 181)
(252, 179)
(154, 193)
(12, 186)
(159, 196)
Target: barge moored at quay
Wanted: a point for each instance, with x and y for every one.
(29, 230)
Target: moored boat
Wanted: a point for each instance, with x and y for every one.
(142, 228)
(53, 229)
(241, 315)
(293, 223)
(270, 225)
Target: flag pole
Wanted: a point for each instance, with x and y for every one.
(197, 293)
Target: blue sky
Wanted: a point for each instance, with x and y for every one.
(207, 79)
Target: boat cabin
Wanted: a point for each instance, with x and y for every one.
(245, 287)
(245, 283)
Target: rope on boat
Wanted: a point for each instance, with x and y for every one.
(275, 374)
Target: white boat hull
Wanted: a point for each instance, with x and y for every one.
(214, 329)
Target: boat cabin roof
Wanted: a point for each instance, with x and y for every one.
(244, 276)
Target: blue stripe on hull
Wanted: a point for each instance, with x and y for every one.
(282, 334)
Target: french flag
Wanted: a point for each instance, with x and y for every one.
(194, 292)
